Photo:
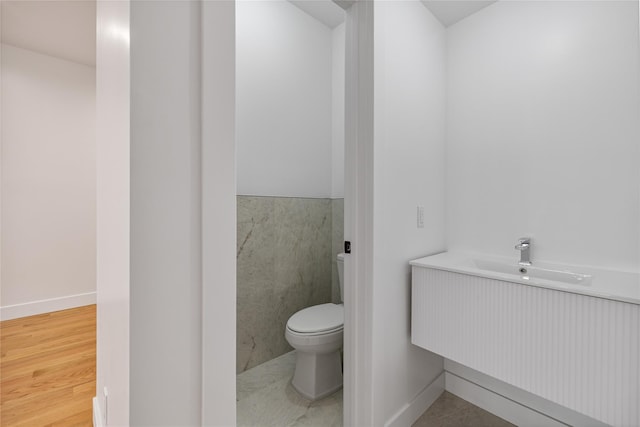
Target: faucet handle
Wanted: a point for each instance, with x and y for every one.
(524, 246)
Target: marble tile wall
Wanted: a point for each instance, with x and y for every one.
(285, 263)
(337, 245)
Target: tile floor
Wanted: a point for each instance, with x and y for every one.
(266, 398)
(451, 411)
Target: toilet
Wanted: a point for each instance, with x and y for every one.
(316, 333)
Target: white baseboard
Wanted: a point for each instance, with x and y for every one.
(46, 306)
(97, 413)
(508, 402)
(410, 412)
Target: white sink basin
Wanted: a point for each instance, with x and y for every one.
(533, 272)
(597, 282)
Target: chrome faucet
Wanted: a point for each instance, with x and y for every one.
(524, 246)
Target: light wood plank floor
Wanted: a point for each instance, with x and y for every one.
(48, 369)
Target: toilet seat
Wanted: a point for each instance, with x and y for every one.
(317, 320)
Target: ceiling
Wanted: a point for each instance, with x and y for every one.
(62, 28)
(449, 12)
(66, 28)
(325, 11)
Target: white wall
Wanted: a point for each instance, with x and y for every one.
(409, 150)
(166, 200)
(542, 128)
(337, 111)
(113, 177)
(48, 183)
(166, 292)
(284, 101)
(219, 229)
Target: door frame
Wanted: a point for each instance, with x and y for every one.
(216, 188)
(358, 213)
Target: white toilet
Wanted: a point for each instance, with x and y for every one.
(316, 333)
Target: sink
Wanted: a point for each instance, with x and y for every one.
(532, 272)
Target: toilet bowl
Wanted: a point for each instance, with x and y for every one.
(317, 334)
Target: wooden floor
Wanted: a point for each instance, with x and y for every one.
(48, 369)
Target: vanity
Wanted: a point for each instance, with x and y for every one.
(565, 333)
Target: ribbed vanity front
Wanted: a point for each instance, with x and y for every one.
(579, 351)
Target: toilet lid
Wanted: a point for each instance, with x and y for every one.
(319, 318)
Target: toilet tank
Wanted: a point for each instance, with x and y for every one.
(340, 262)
